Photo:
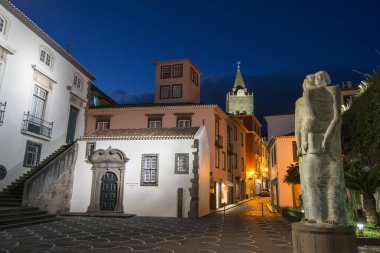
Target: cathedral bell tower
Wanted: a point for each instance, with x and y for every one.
(239, 101)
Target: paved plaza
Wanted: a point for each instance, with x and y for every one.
(241, 229)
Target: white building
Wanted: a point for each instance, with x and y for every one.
(43, 94)
(148, 172)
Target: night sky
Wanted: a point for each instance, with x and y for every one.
(278, 43)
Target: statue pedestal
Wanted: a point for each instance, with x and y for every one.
(321, 238)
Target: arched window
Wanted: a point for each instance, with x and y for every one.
(46, 57)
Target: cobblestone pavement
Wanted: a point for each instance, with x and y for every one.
(240, 229)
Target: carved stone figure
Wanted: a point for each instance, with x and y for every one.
(318, 123)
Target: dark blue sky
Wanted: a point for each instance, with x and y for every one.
(278, 42)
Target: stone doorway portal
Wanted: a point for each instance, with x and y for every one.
(107, 188)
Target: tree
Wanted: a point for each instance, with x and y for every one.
(292, 174)
(366, 182)
(361, 145)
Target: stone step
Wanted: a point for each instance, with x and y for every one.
(8, 215)
(9, 204)
(17, 209)
(9, 200)
(27, 223)
(23, 217)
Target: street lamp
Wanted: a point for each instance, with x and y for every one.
(360, 227)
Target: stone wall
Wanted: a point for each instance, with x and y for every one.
(240, 103)
(51, 188)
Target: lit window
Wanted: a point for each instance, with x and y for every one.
(177, 70)
(181, 163)
(177, 91)
(165, 72)
(165, 91)
(77, 82)
(32, 154)
(46, 58)
(149, 170)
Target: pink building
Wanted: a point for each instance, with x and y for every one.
(177, 105)
(282, 152)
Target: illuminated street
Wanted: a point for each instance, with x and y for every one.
(242, 229)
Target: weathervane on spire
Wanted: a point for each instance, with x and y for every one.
(238, 64)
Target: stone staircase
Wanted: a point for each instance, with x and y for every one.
(12, 214)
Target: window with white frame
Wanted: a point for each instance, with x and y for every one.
(103, 123)
(32, 154)
(164, 91)
(177, 70)
(165, 72)
(46, 58)
(3, 25)
(154, 120)
(77, 82)
(183, 123)
(177, 91)
(38, 103)
(181, 163)
(149, 170)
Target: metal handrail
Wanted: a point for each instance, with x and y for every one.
(36, 125)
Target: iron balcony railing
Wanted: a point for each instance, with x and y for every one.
(219, 141)
(36, 125)
(2, 112)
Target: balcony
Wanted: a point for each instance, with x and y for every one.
(37, 126)
(2, 112)
(230, 148)
(219, 141)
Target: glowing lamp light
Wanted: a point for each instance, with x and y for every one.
(360, 226)
(252, 172)
(303, 211)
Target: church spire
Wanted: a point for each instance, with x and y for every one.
(239, 81)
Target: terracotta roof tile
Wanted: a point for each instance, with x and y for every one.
(143, 133)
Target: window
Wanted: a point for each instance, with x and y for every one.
(235, 133)
(183, 119)
(229, 162)
(181, 163)
(77, 82)
(295, 155)
(183, 123)
(177, 91)
(155, 123)
(242, 139)
(223, 160)
(46, 58)
(90, 149)
(235, 161)
(164, 91)
(154, 120)
(149, 170)
(32, 154)
(2, 112)
(194, 76)
(3, 25)
(165, 72)
(177, 70)
(242, 164)
(217, 158)
(103, 123)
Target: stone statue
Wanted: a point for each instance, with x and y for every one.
(318, 122)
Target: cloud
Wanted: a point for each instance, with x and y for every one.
(124, 97)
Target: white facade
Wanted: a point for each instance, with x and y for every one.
(278, 125)
(36, 76)
(159, 200)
